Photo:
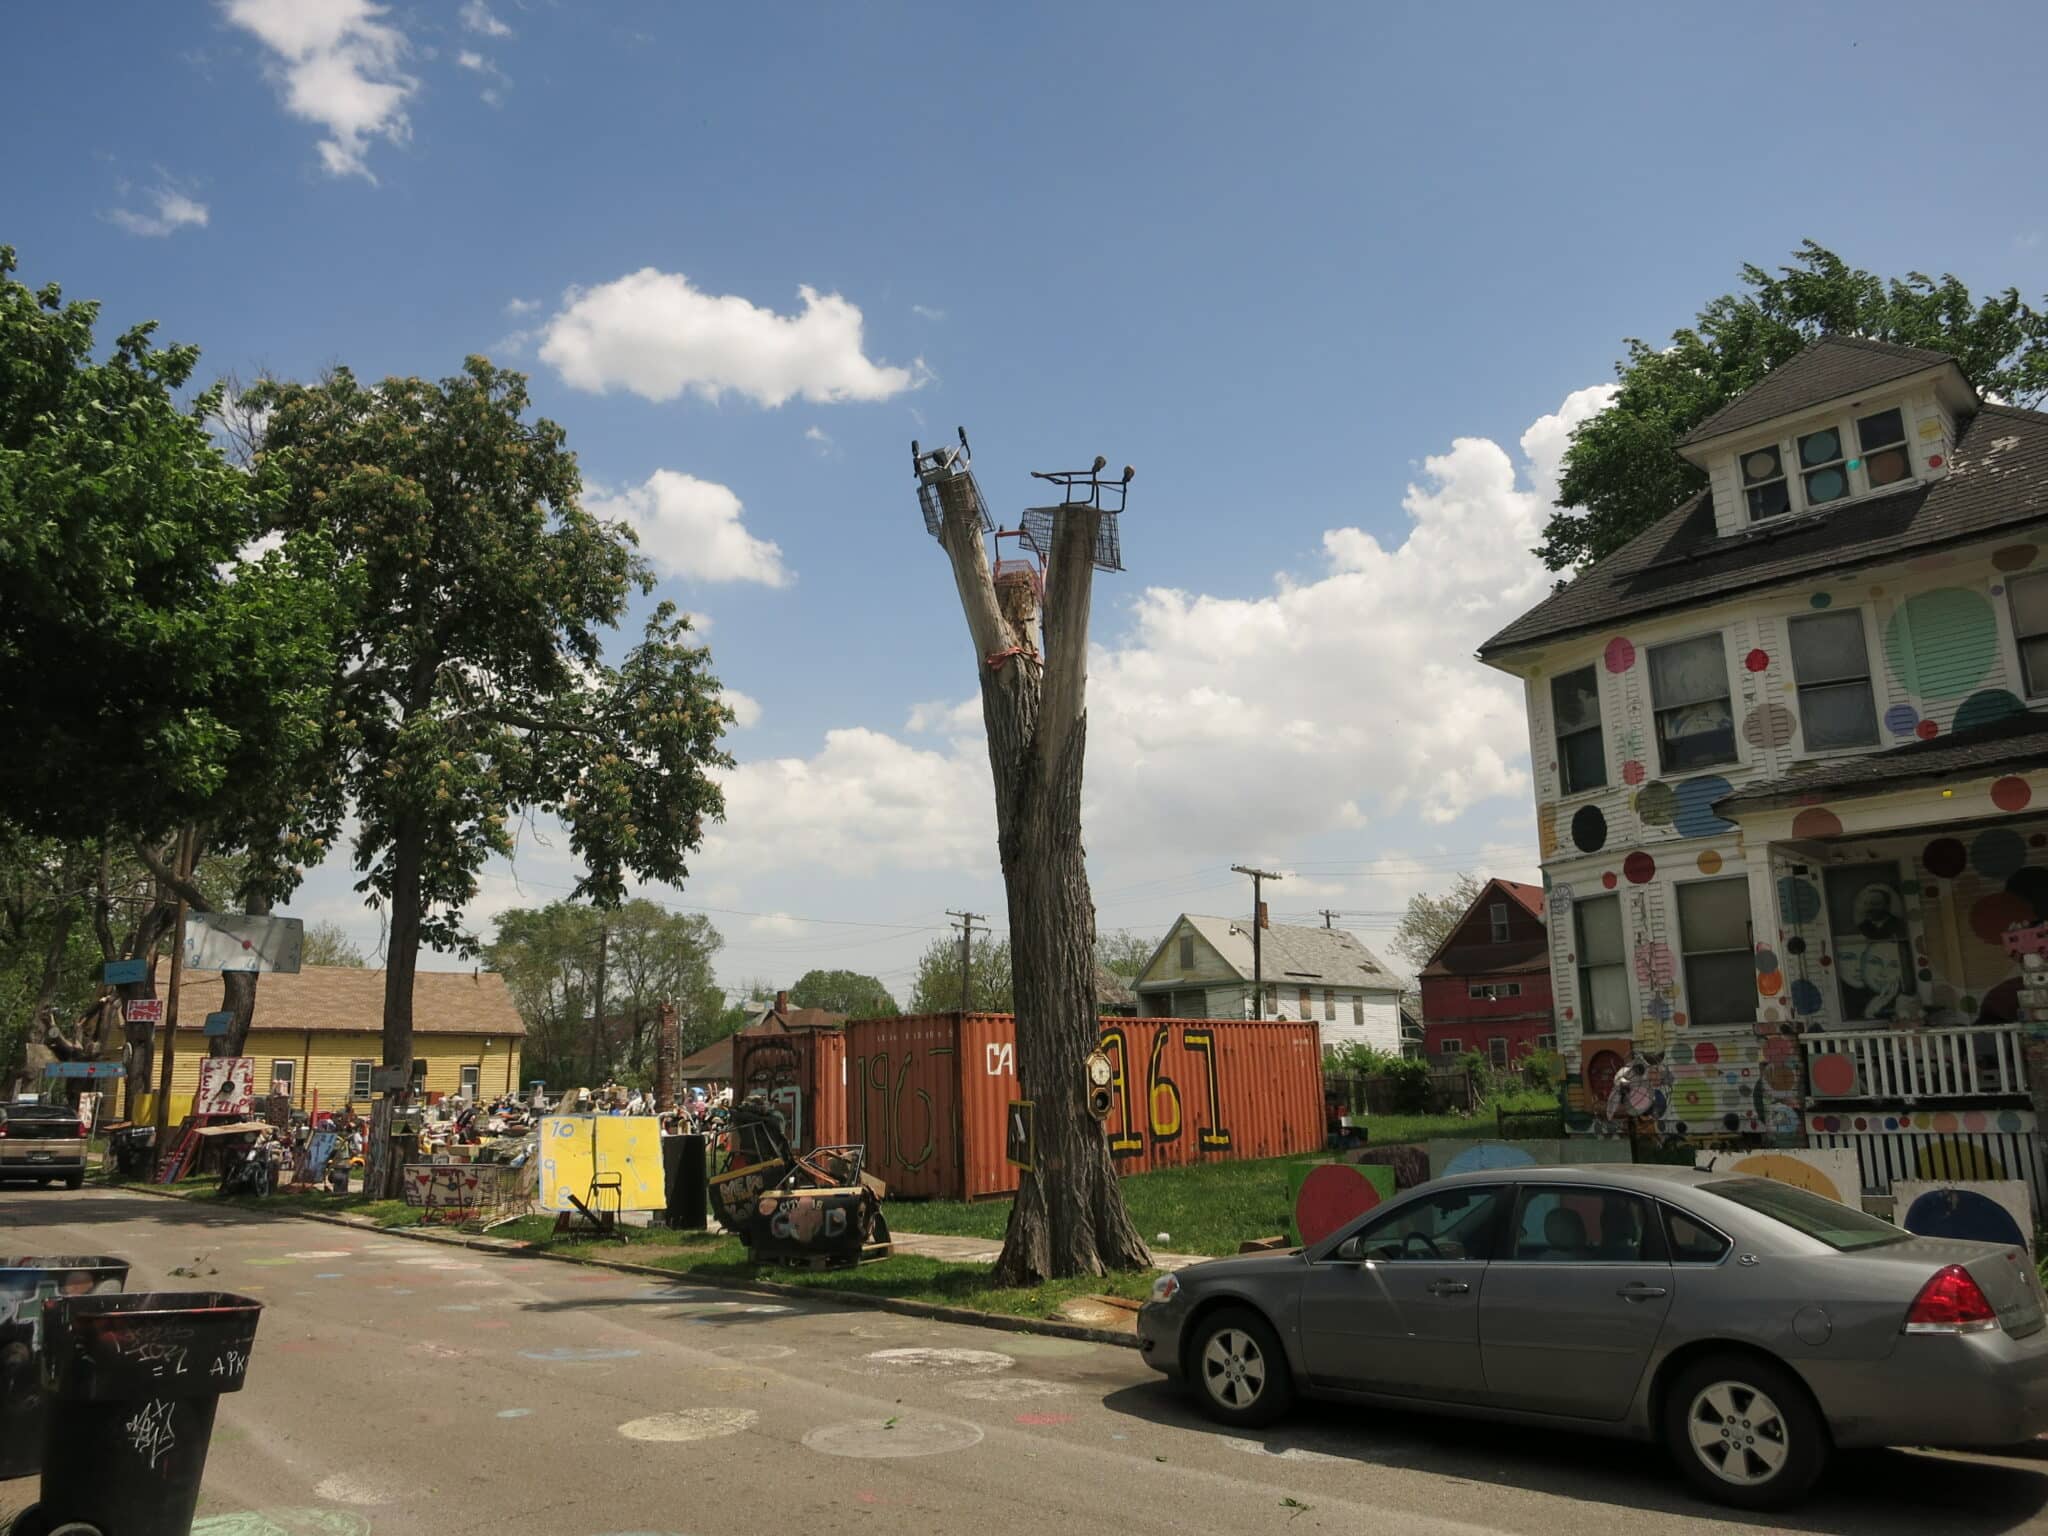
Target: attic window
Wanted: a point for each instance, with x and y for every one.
(1187, 951)
(1498, 914)
(1763, 479)
(1883, 440)
(1824, 466)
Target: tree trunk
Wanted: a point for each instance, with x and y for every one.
(402, 952)
(1068, 1217)
(239, 997)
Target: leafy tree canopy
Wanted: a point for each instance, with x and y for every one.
(1123, 953)
(1428, 920)
(847, 992)
(937, 987)
(1623, 470)
(329, 944)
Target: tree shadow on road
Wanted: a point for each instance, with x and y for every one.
(1864, 1493)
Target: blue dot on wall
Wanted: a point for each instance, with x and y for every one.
(1986, 708)
(1900, 719)
(1766, 961)
(2008, 1121)
(1997, 853)
(1820, 599)
(1963, 1214)
(1805, 996)
(1659, 1008)
(1798, 900)
(1694, 816)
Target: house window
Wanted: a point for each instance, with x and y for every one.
(1764, 483)
(472, 1081)
(1575, 711)
(1824, 466)
(1187, 951)
(1832, 667)
(419, 1074)
(1867, 920)
(1308, 1004)
(1452, 1046)
(358, 1080)
(283, 1073)
(1498, 915)
(1329, 1006)
(1497, 1051)
(1714, 937)
(1358, 1010)
(2029, 598)
(1603, 968)
(1689, 691)
(1546, 1042)
(1882, 437)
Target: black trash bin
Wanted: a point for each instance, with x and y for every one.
(683, 1167)
(132, 1383)
(24, 1284)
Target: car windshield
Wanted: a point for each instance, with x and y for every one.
(1843, 1228)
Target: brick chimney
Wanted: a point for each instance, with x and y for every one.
(1265, 918)
(782, 1002)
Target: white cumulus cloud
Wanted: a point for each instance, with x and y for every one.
(516, 307)
(693, 528)
(338, 66)
(746, 709)
(477, 17)
(655, 334)
(173, 211)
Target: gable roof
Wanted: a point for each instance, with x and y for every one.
(711, 1064)
(350, 998)
(1501, 957)
(1530, 896)
(1831, 368)
(1325, 956)
(1997, 479)
(2019, 740)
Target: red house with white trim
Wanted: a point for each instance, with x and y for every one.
(1487, 988)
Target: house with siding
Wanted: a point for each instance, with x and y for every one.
(1203, 969)
(1790, 752)
(316, 1034)
(1487, 986)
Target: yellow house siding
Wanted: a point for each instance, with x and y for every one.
(324, 1059)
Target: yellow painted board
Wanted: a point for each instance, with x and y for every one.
(575, 1149)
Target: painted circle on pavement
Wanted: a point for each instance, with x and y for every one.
(898, 1436)
(686, 1424)
(954, 1362)
(1008, 1389)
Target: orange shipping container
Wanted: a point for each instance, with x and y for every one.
(928, 1094)
(803, 1074)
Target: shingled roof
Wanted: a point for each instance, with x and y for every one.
(351, 998)
(2017, 741)
(1998, 478)
(1832, 368)
(1287, 953)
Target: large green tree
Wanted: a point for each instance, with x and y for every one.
(1623, 470)
(847, 992)
(475, 686)
(1428, 920)
(936, 988)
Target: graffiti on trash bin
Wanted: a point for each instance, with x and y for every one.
(230, 1362)
(150, 1433)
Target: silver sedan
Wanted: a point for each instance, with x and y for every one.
(1751, 1326)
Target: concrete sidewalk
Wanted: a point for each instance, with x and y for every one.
(983, 1250)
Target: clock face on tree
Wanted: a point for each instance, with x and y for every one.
(1099, 1071)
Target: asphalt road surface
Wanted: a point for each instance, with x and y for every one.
(402, 1387)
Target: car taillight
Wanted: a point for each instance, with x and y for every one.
(1951, 1302)
(82, 1130)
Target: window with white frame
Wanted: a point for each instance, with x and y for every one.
(1451, 1045)
(1764, 484)
(1490, 991)
(1714, 939)
(1833, 462)
(1881, 438)
(1603, 967)
(1689, 694)
(358, 1080)
(1831, 666)
(2028, 597)
(283, 1073)
(472, 1081)
(1575, 713)
(1497, 915)
(1497, 1051)
(1546, 1042)
(1823, 466)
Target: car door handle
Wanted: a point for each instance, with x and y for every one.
(1641, 1292)
(1448, 1288)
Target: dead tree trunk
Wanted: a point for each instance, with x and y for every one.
(1068, 1217)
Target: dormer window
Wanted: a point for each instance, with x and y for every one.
(1831, 463)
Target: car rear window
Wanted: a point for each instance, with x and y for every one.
(53, 1114)
(1843, 1228)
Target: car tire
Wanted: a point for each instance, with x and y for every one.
(1744, 1431)
(1238, 1369)
(75, 1181)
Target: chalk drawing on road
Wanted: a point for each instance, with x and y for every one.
(1284, 1453)
(284, 1522)
(515, 1413)
(896, 1436)
(354, 1488)
(571, 1354)
(320, 1253)
(1008, 1389)
(942, 1362)
(754, 1354)
(687, 1424)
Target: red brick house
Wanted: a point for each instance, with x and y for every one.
(1487, 988)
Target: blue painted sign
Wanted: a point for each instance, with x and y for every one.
(116, 972)
(84, 1069)
(219, 1023)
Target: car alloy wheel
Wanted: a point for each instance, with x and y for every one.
(1738, 1433)
(1234, 1368)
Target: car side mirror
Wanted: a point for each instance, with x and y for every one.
(1351, 1250)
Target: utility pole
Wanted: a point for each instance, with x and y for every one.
(1329, 918)
(1259, 877)
(966, 927)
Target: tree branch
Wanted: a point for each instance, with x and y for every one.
(176, 883)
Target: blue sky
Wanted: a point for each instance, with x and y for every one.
(1336, 279)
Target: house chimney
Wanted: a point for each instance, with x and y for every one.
(782, 1002)
(1265, 920)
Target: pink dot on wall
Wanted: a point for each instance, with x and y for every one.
(1620, 654)
(1608, 880)
(1816, 821)
(1639, 867)
(1631, 772)
(1927, 730)
(2011, 793)
(1757, 660)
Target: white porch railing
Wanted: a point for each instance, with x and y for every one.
(1969, 1061)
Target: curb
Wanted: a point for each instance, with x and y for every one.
(931, 1311)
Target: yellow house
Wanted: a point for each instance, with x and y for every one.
(319, 1032)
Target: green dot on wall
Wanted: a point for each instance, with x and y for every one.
(1941, 643)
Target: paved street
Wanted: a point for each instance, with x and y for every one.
(399, 1387)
